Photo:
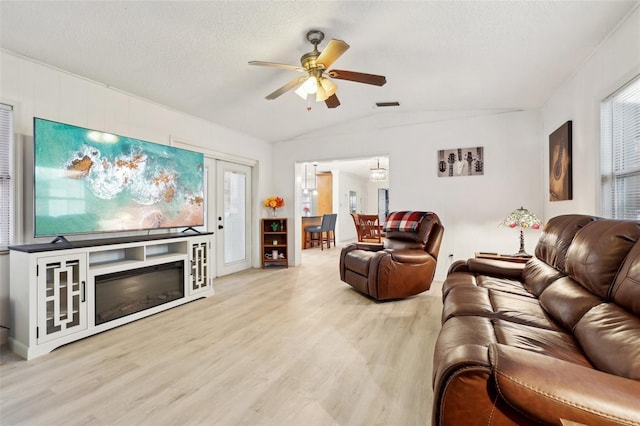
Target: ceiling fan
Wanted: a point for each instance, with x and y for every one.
(315, 82)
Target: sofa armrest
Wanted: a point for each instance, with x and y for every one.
(458, 266)
(552, 390)
(496, 268)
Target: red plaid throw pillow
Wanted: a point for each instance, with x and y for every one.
(404, 221)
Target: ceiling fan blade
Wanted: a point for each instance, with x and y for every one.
(276, 65)
(290, 85)
(358, 77)
(333, 51)
(332, 101)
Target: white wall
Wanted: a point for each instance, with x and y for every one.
(470, 207)
(615, 63)
(346, 182)
(38, 90)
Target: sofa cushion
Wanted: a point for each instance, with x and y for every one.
(358, 261)
(556, 344)
(488, 303)
(626, 289)
(598, 251)
(537, 276)
(566, 301)
(610, 336)
(557, 236)
(503, 285)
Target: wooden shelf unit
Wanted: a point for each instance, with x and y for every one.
(273, 238)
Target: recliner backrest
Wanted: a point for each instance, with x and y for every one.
(411, 240)
(598, 251)
(556, 237)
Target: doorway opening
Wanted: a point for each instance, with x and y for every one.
(352, 186)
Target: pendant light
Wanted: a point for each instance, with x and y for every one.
(378, 173)
(305, 190)
(315, 172)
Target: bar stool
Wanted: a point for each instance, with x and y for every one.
(320, 230)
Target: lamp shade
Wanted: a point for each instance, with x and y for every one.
(309, 87)
(326, 89)
(522, 218)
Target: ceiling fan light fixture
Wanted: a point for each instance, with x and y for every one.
(326, 88)
(311, 85)
(316, 65)
(329, 86)
(321, 94)
(308, 87)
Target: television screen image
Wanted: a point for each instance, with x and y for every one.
(87, 181)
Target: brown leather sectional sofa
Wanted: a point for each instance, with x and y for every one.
(553, 341)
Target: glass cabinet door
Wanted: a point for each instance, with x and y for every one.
(62, 290)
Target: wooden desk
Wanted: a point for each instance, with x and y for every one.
(505, 257)
(309, 221)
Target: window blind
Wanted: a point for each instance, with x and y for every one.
(620, 153)
(6, 173)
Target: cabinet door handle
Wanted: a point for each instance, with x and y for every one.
(220, 226)
(84, 291)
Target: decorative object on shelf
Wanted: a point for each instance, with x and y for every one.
(377, 174)
(274, 203)
(461, 162)
(560, 170)
(307, 211)
(522, 218)
(274, 226)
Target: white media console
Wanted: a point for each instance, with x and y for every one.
(63, 292)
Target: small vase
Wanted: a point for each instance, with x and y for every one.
(274, 212)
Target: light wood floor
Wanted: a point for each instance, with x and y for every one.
(273, 347)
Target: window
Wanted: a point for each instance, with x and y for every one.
(620, 153)
(6, 170)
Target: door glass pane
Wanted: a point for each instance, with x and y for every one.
(235, 212)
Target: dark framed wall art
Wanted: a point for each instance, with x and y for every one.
(461, 162)
(560, 170)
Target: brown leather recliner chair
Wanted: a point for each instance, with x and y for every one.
(402, 265)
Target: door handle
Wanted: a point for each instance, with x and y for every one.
(220, 226)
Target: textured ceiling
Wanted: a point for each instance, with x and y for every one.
(442, 59)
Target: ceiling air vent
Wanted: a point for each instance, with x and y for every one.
(387, 104)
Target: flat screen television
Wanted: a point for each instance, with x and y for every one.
(87, 181)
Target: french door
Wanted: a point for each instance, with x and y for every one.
(232, 221)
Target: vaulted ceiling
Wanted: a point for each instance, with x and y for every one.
(442, 59)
